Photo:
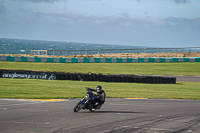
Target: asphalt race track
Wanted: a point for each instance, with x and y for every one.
(115, 116)
(188, 78)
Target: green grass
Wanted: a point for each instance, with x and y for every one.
(47, 89)
(189, 68)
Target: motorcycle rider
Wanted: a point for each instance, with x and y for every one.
(99, 98)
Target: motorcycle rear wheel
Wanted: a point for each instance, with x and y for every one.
(78, 107)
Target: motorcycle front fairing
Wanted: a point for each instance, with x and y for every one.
(87, 100)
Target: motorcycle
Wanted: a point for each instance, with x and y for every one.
(87, 102)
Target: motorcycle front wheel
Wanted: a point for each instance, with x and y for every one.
(78, 107)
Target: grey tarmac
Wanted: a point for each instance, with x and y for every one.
(115, 116)
(188, 78)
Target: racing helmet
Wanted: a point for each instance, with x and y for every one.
(99, 88)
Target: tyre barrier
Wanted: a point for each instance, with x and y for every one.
(126, 78)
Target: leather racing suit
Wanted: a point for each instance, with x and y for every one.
(99, 98)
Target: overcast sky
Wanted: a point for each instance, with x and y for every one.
(153, 23)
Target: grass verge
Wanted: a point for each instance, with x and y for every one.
(53, 89)
(185, 68)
